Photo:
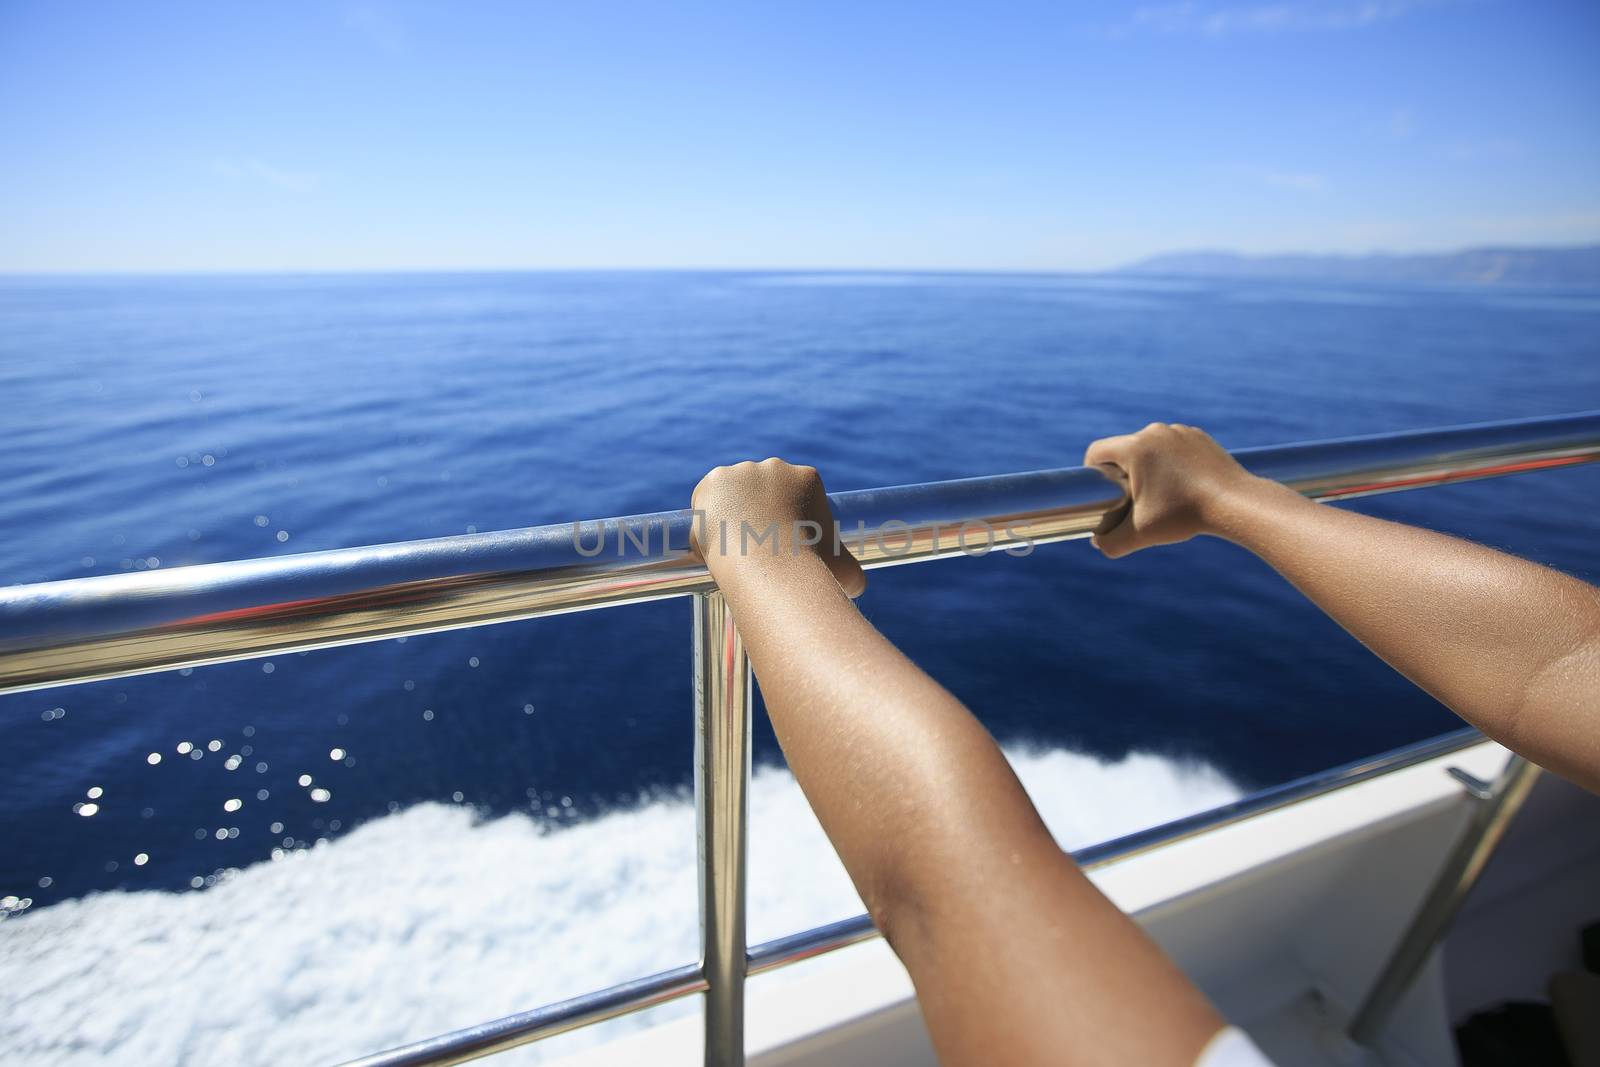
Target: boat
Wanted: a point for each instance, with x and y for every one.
(1354, 916)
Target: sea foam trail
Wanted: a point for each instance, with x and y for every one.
(430, 919)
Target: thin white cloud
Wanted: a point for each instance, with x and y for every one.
(253, 170)
(1291, 181)
(1486, 149)
(376, 24)
(1219, 20)
(1300, 183)
(1402, 124)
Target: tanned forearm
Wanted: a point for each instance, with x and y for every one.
(1510, 646)
(889, 760)
(1016, 957)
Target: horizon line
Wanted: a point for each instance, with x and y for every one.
(191, 272)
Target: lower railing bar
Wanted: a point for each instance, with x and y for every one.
(1491, 815)
(808, 944)
(1277, 796)
(460, 1046)
(464, 1045)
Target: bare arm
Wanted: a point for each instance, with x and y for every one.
(1017, 958)
(1510, 646)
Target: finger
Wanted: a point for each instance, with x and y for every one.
(819, 510)
(694, 505)
(705, 480)
(1119, 513)
(697, 532)
(1116, 474)
(848, 573)
(1117, 541)
(1113, 450)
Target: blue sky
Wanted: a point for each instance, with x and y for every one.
(224, 135)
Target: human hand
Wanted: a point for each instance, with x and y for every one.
(754, 515)
(1180, 483)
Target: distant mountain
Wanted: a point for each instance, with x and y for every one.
(1527, 266)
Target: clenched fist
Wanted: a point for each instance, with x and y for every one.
(1180, 482)
(755, 515)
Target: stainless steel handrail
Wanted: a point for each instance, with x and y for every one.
(55, 633)
(85, 629)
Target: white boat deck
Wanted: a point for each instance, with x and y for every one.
(1284, 918)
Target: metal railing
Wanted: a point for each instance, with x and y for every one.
(55, 633)
(1493, 806)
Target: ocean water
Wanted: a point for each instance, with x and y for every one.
(317, 855)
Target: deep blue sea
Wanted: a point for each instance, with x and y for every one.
(158, 422)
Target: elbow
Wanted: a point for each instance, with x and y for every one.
(896, 903)
(900, 923)
(1546, 720)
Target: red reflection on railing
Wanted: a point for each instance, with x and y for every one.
(1457, 476)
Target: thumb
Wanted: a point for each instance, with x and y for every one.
(847, 572)
(1115, 536)
(1118, 541)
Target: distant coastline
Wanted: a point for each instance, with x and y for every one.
(1577, 265)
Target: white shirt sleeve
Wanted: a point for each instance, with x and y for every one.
(1231, 1047)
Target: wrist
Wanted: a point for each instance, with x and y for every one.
(1237, 511)
(766, 565)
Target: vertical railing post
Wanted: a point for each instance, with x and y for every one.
(1495, 804)
(721, 787)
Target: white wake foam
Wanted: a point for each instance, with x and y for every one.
(429, 920)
